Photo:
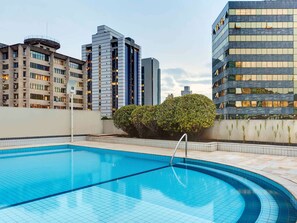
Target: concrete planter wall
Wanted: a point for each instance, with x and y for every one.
(271, 131)
(168, 144)
(200, 146)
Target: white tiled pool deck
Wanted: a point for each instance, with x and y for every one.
(281, 169)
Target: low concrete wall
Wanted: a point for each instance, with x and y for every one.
(168, 144)
(272, 131)
(200, 146)
(109, 128)
(29, 122)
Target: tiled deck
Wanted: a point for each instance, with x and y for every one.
(281, 169)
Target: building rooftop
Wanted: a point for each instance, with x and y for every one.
(44, 40)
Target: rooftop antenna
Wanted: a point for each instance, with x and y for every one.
(46, 29)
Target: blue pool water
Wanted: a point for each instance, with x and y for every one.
(80, 184)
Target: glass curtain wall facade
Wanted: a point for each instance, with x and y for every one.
(113, 65)
(254, 67)
(151, 81)
(132, 74)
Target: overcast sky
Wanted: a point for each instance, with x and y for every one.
(176, 32)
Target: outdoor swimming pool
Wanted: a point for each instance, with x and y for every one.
(81, 184)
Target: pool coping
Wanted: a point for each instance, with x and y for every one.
(286, 183)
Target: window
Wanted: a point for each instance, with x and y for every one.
(39, 66)
(15, 65)
(60, 90)
(59, 71)
(238, 104)
(59, 80)
(238, 64)
(5, 87)
(59, 61)
(75, 65)
(39, 87)
(5, 66)
(5, 56)
(40, 97)
(77, 100)
(15, 54)
(253, 104)
(5, 77)
(79, 92)
(59, 99)
(72, 74)
(39, 56)
(39, 77)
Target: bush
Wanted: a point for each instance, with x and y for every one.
(145, 121)
(187, 114)
(137, 117)
(106, 118)
(150, 121)
(122, 120)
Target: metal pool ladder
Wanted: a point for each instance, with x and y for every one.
(186, 147)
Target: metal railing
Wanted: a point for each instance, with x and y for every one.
(41, 37)
(186, 147)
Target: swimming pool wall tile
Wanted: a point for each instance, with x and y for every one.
(255, 177)
(38, 141)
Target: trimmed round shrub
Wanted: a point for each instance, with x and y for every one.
(150, 121)
(122, 120)
(137, 120)
(145, 121)
(187, 114)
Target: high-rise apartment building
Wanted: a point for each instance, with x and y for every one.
(151, 81)
(2, 45)
(186, 91)
(169, 96)
(254, 50)
(34, 75)
(114, 62)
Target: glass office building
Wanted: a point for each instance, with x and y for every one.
(114, 75)
(254, 66)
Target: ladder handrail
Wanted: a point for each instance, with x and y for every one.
(186, 147)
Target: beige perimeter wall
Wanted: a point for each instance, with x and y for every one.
(274, 131)
(30, 122)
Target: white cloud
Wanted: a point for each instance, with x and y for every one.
(174, 79)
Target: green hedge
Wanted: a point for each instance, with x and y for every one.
(187, 114)
(122, 120)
